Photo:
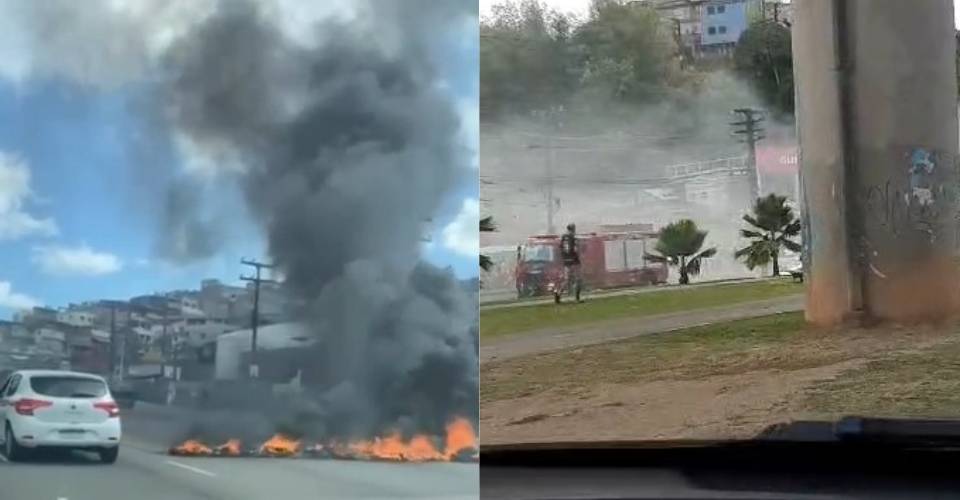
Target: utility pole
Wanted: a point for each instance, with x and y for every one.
(554, 125)
(114, 348)
(749, 128)
(551, 152)
(164, 343)
(255, 314)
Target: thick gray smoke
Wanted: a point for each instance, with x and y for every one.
(342, 149)
(347, 148)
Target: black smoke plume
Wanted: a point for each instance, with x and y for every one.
(346, 147)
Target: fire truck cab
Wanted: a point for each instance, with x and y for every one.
(607, 260)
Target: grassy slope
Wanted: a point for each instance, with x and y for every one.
(925, 383)
(506, 321)
(695, 352)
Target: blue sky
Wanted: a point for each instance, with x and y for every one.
(72, 230)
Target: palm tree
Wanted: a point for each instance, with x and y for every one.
(680, 245)
(486, 226)
(772, 225)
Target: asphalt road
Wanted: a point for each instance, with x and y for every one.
(559, 338)
(506, 299)
(145, 472)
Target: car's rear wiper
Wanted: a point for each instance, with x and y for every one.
(898, 430)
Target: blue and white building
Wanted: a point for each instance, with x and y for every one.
(723, 21)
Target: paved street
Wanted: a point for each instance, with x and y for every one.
(504, 299)
(552, 339)
(144, 472)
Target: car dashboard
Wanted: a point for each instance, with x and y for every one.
(720, 471)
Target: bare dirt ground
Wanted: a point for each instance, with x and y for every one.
(708, 382)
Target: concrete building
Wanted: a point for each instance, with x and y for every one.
(216, 299)
(36, 315)
(713, 27)
(76, 317)
(232, 348)
(195, 332)
(723, 21)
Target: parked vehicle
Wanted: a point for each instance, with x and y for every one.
(58, 409)
(607, 260)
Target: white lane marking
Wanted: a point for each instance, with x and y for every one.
(62, 498)
(195, 470)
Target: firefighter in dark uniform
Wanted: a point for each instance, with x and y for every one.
(570, 253)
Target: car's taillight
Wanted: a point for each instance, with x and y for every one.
(108, 406)
(27, 406)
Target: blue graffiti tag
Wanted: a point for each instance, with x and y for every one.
(922, 164)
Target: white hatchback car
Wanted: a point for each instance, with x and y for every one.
(58, 409)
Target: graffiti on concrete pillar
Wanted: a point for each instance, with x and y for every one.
(922, 165)
(916, 209)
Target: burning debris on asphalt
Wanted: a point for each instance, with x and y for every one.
(459, 445)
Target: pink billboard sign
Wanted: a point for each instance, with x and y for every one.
(777, 160)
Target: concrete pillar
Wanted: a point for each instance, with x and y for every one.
(832, 290)
(877, 123)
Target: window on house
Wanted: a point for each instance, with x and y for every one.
(721, 9)
(711, 31)
(723, 29)
(710, 10)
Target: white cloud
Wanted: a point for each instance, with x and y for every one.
(12, 300)
(82, 261)
(131, 34)
(462, 235)
(15, 223)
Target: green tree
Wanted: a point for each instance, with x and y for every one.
(772, 225)
(627, 52)
(486, 226)
(680, 244)
(533, 57)
(526, 59)
(764, 57)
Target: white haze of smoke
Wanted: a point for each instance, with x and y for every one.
(598, 178)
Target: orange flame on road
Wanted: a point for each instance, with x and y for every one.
(280, 446)
(231, 448)
(460, 439)
(192, 447)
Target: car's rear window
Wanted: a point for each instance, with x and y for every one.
(59, 386)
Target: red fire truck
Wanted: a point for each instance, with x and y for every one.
(607, 260)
